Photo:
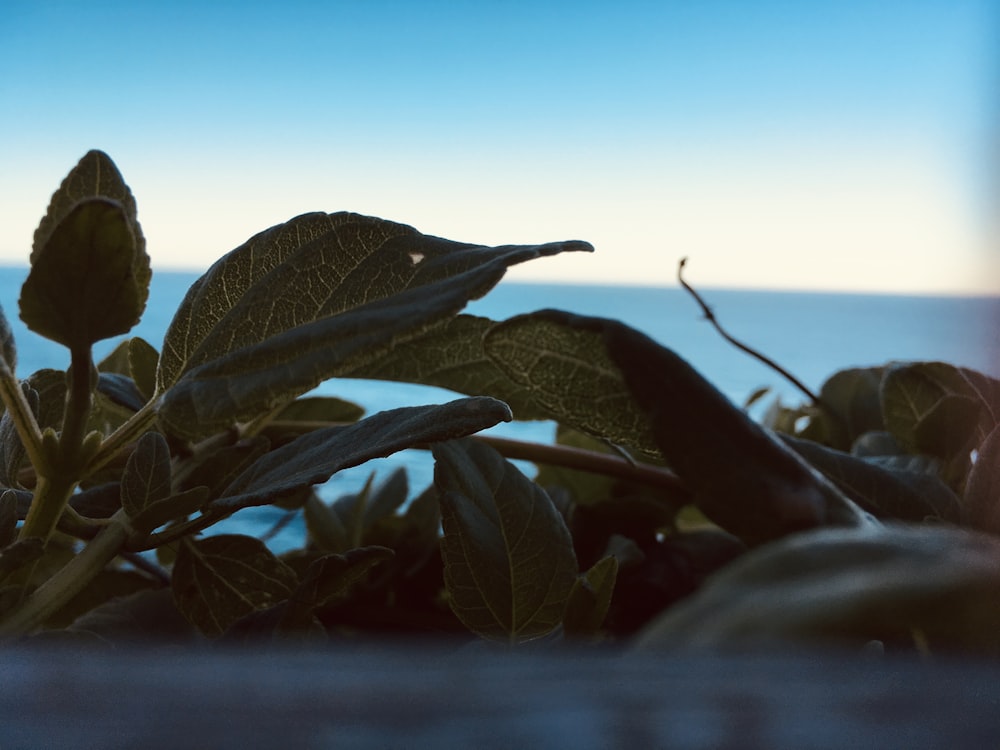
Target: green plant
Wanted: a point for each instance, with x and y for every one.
(117, 468)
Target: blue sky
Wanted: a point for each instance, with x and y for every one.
(801, 145)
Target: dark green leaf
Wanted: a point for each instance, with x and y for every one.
(146, 478)
(19, 554)
(853, 395)
(94, 176)
(99, 501)
(12, 452)
(120, 390)
(220, 579)
(848, 585)
(981, 505)
(508, 556)
(8, 350)
(325, 528)
(320, 409)
(331, 577)
(90, 279)
(315, 457)
(567, 370)
(314, 298)
(8, 517)
(107, 585)
(590, 598)
(906, 492)
(927, 406)
(161, 512)
(221, 466)
(51, 388)
(116, 360)
(142, 362)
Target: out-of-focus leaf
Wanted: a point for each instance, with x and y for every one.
(756, 395)
(320, 409)
(508, 556)
(8, 349)
(590, 598)
(981, 504)
(937, 408)
(90, 279)
(218, 580)
(847, 585)
(568, 372)
(325, 528)
(331, 577)
(12, 452)
(221, 466)
(316, 456)
(311, 299)
(853, 395)
(899, 493)
(121, 390)
(107, 585)
(98, 501)
(8, 517)
(877, 443)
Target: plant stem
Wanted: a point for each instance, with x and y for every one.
(71, 579)
(137, 424)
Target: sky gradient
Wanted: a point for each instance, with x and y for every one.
(843, 146)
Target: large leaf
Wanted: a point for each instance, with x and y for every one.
(741, 477)
(318, 266)
(452, 356)
(937, 408)
(146, 478)
(900, 493)
(853, 396)
(508, 556)
(316, 456)
(90, 279)
(568, 372)
(218, 580)
(848, 585)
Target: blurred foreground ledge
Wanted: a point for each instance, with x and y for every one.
(378, 697)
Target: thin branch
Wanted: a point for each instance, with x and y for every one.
(710, 317)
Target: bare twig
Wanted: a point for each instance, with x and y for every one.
(710, 317)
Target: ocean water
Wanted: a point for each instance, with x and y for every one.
(811, 335)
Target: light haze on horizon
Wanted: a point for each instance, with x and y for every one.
(810, 146)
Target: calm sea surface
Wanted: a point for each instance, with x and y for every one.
(811, 335)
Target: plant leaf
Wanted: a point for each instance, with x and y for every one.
(146, 478)
(320, 409)
(90, 279)
(316, 266)
(890, 493)
(325, 528)
(12, 452)
(568, 372)
(218, 580)
(930, 407)
(178, 505)
(847, 585)
(331, 577)
(142, 362)
(508, 556)
(590, 598)
(8, 350)
(316, 456)
(8, 517)
(981, 505)
(854, 395)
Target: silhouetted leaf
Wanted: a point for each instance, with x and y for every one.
(508, 556)
(12, 452)
(906, 492)
(934, 407)
(316, 456)
(325, 528)
(221, 466)
(567, 371)
(853, 395)
(8, 517)
(452, 356)
(171, 508)
(218, 580)
(590, 598)
(331, 577)
(847, 585)
(8, 349)
(121, 390)
(981, 504)
(310, 299)
(142, 362)
(90, 279)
